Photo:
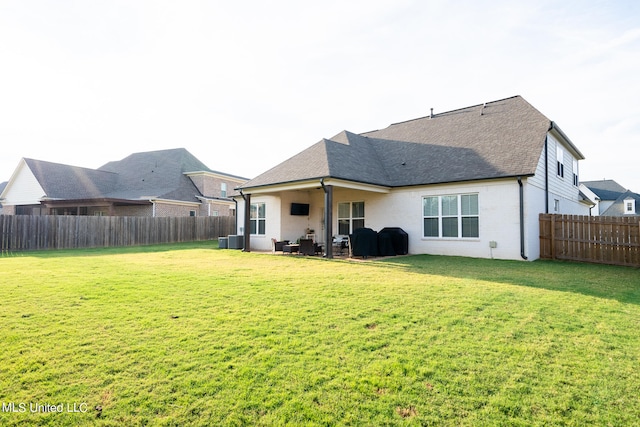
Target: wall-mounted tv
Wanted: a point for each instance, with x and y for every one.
(300, 209)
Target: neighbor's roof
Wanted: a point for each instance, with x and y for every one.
(617, 208)
(606, 189)
(60, 181)
(498, 139)
(154, 174)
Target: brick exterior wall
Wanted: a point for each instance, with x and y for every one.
(211, 185)
(168, 209)
(135, 210)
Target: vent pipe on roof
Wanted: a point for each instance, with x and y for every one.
(482, 110)
(431, 114)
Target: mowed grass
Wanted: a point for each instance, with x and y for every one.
(193, 335)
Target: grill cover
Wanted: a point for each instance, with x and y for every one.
(364, 242)
(399, 239)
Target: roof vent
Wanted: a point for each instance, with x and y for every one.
(431, 114)
(482, 111)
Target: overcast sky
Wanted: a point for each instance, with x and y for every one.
(244, 85)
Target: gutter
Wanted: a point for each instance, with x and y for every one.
(521, 191)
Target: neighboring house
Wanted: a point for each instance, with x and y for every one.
(468, 182)
(612, 199)
(156, 183)
(2, 185)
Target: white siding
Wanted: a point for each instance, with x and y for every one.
(561, 189)
(23, 188)
(273, 221)
(499, 217)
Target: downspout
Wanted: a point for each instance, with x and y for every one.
(546, 172)
(521, 190)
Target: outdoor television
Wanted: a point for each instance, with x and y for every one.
(300, 209)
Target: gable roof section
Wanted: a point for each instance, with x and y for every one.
(61, 181)
(498, 139)
(617, 208)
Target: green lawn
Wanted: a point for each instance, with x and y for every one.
(192, 335)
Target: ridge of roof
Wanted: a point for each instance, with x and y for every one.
(435, 115)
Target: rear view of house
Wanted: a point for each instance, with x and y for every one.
(468, 182)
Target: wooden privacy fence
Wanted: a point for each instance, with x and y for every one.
(26, 232)
(598, 239)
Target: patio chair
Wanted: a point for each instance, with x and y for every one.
(277, 246)
(307, 247)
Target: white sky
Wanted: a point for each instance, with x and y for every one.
(244, 85)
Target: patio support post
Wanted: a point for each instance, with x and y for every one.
(328, 219)
(247, 222)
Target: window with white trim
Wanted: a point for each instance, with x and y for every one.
(560, 161)
(258, 218)
(576, 181)
(629, 207)
(451, 216)
(350, 217)
(223, 189)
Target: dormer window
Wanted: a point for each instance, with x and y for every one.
(629, 206)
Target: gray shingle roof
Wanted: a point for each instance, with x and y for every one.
(617, 208)
(157, 174)
(61, 181)
(153, 174)
(503, 138)
(606, 189)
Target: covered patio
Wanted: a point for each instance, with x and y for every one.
(324, 210)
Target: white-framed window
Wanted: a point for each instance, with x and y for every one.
(223, 189)
(451, 216)
(350, 217)
(576, 180)
(629, 206)
(193, 213)
(560, 161)
(258, 218)
(556, 205)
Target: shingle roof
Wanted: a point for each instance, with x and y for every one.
(157, 174)
(153, 174)
(61, 181)
(606, 189)
(617, 208)
(498, 139)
